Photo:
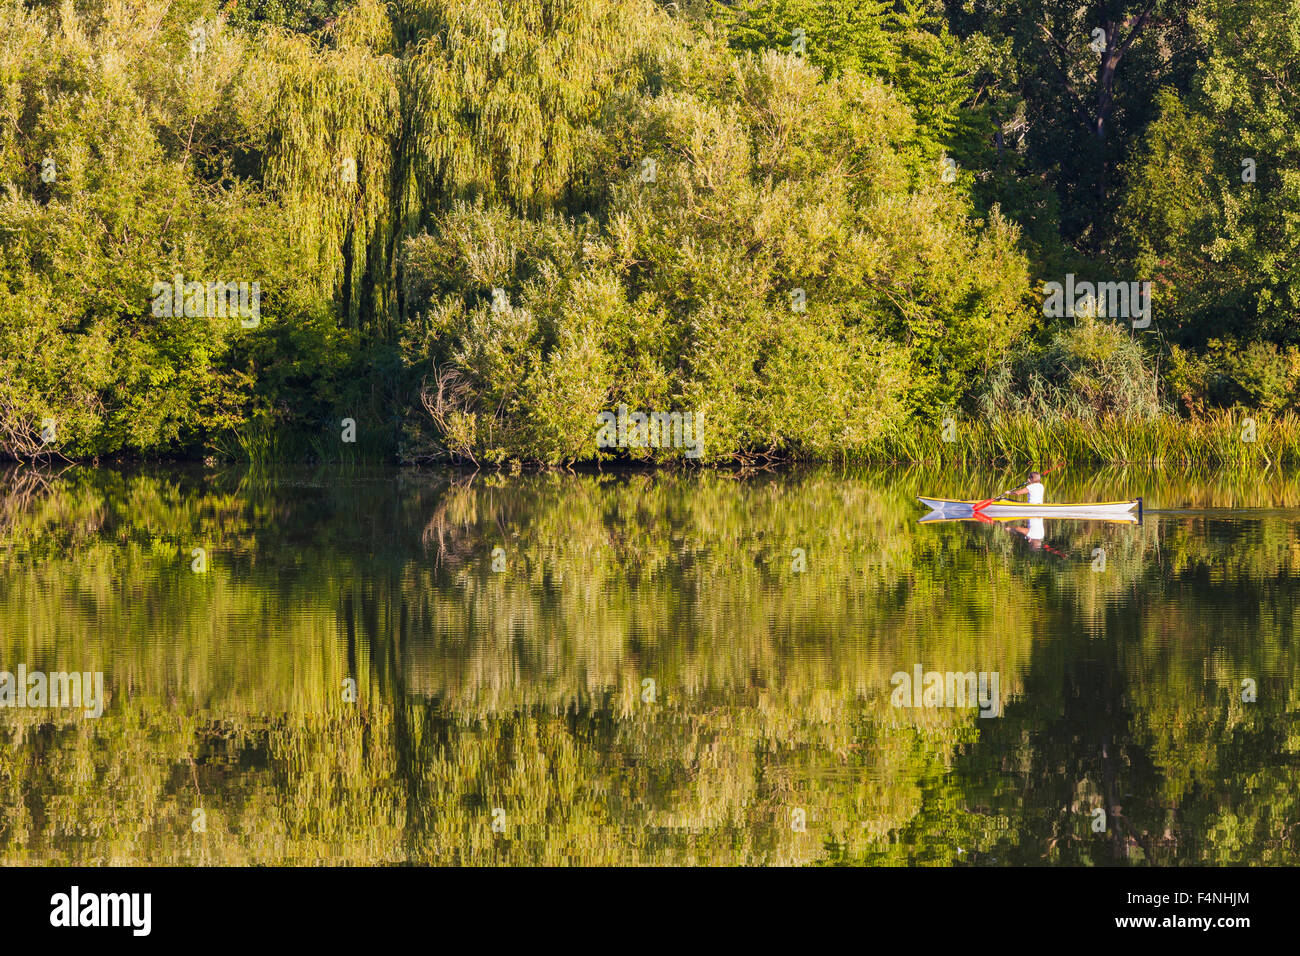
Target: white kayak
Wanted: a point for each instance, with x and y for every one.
(1082, 511)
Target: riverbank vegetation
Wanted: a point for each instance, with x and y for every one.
(825, 226)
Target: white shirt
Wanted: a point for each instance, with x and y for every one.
(1035, 493)
(1036, 529)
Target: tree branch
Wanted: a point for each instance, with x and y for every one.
(1080, 110)
(1137, 23)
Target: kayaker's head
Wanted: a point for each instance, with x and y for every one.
(1034, 476)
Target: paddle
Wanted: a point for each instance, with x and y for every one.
(988, 501)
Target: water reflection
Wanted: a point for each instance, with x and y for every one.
(385, 666)
(1034, 530)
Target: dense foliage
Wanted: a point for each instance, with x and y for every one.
(812, 225)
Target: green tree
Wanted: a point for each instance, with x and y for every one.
(1213, 206)
(1087, 71)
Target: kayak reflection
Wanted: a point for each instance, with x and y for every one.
(1034, 526)
(1033, 522)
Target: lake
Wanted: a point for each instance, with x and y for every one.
(370, 665)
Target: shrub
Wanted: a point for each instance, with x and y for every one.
(783, 273)
(1091, 370)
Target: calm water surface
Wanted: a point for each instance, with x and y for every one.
(650, 669)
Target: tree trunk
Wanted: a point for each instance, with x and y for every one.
(1110, 57)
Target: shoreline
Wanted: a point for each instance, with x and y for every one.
(1226, 439)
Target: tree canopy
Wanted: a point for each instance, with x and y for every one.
(473, 227)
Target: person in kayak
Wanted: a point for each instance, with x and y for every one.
(1034, 531)
(1033, 488)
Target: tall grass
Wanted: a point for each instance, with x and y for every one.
(260, 442)
(1224, 439)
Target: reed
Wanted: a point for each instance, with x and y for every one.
(262, 443)
(1224, 439)
(258, 442)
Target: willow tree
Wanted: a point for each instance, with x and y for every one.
(504, 98)
(419, 103)
(331, 157)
